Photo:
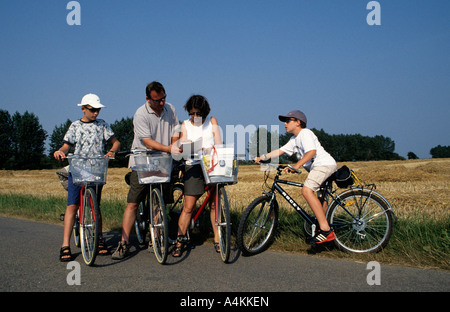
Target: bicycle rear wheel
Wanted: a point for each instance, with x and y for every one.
(223, 223)
(361, 220)
(159, 226)
(258, 225)
(89, 226)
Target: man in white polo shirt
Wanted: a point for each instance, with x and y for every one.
(155, 127)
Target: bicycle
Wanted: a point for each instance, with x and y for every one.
(220, 168)
(90, 174)
(362, 219)
(153, 169)
(222, 213)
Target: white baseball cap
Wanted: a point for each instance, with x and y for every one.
(92, 100)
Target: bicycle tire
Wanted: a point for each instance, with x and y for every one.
(175, 210)
(76, 230)
(141, 222)
(89, 226)
(258, 225)
(364, 226)
(223, 223)
(158, 226)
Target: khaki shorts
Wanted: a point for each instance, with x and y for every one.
(318, 175)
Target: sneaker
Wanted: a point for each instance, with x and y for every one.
(322, 237)
(122, 251)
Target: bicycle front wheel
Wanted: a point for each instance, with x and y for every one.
(223, 223)
(258, 225)
(361, 220)
(141, 222)
(76, 230)
(159, 226)
(89, 226)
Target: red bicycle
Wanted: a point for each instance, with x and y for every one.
(90, 173)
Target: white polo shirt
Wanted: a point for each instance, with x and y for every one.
(147, 124)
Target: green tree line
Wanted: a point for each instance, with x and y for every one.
(22, 143)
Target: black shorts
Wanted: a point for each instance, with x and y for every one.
(194, 183)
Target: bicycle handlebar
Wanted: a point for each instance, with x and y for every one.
(278, 167)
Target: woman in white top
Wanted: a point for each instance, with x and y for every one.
(205, 131)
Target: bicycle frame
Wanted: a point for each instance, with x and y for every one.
(276, 187)
(289, 199)
(325, 194)
(209, 189)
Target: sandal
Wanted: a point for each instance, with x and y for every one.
(178, 251)
(102, 249)
(217, 247)
(65, 254)
(181, 241)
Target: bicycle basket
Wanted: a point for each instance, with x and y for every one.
(220, 165)
(63, 176)
(153, 168)
(343, 177)
(88, 169)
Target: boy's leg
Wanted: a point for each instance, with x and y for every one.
(69, 220)
(73, 201)
(316, 207)
(315, 178)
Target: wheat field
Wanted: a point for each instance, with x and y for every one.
(413, 187)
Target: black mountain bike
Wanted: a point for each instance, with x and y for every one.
(361, 218)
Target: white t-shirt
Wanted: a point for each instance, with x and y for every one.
(307, 141)
(203, 132)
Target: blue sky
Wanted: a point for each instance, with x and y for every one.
(252, 59)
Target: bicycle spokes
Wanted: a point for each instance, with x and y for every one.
(362, 222)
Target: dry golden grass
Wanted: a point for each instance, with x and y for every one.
(412, 186)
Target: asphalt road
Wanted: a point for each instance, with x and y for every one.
(29, 263)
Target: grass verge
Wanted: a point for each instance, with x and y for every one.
(418, 241)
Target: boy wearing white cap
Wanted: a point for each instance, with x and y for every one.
(88, 136)
(313, 157)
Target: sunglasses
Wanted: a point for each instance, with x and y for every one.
(198, 114)
(159, 100)
(93, 110)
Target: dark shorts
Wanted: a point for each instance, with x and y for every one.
(73, 192)
(138, 192)
(194, 183)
